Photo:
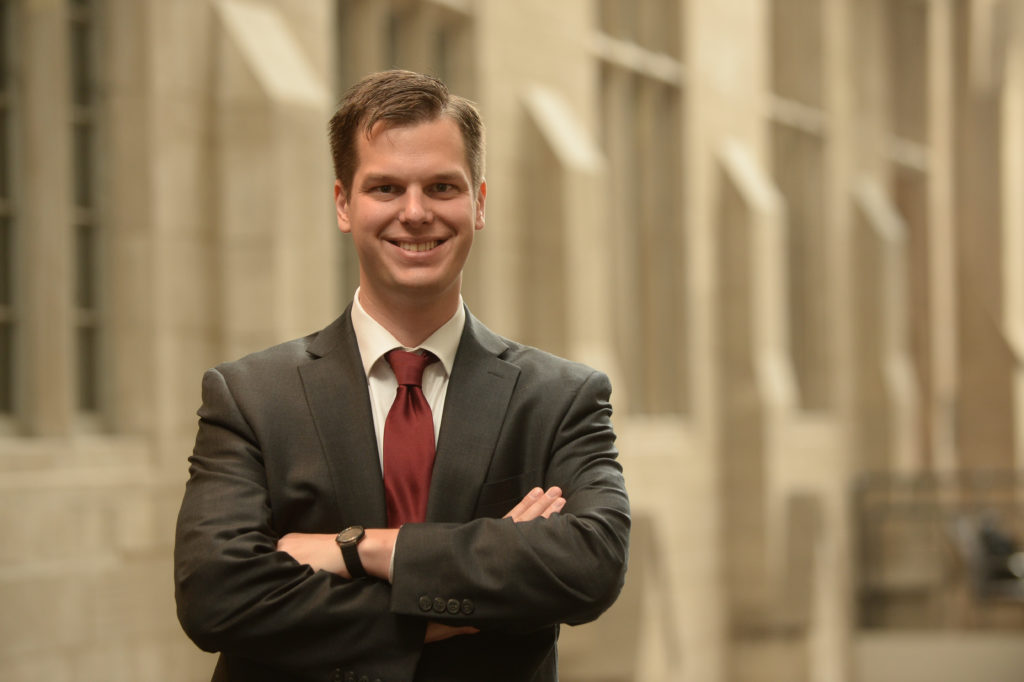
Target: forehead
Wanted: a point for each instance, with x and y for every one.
(437, 142)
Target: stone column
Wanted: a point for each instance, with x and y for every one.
(1012, 162)
(885, 403)
(274, 189)
(45, 134)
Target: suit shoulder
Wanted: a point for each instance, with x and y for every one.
(541, 365)
(291, 354)
(270, 361)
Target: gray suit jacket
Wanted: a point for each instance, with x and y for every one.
(286, 444)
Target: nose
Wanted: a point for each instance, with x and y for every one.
(416, 208)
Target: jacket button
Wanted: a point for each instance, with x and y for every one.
(364, 678)
(453, 606)
(426, 603)
(439, 605)
(468, 607)
(337, 675)
(350, 676)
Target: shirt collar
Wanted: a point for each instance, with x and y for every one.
(374, 340)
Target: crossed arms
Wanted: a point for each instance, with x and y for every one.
(258, 574)
(320, 552)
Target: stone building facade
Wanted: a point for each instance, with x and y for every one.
(790, 230)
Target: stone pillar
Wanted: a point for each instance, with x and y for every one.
(273, 184)
(1012, 162)
(45, 135)
(127, 219)
(415, 35)
(939, 410)
(985, 428)
(885, 402)
(757, 394)
(565, 233)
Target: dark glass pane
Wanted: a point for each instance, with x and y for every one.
(5, 155)
(6, 261)
(6, 369)
(83, 164)
(88, 393)
(442, 55)
(394, 33)
(4, 45)
(85, 267)
(81, 63)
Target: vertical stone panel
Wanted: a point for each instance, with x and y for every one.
(47, 216)
(886, 398)
(757, 400)
(545, 274)
(985, 362)
(798, 160)
(274, 189)
(942, 271)
(1013, 255)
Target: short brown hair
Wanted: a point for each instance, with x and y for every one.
(399, 98)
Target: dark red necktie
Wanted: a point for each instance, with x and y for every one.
(408, 441)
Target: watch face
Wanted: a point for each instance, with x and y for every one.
(350, 534)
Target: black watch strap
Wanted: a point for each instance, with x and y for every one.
(348, 540)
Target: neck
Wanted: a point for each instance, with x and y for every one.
(410, 321)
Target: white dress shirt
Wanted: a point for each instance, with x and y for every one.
(375, 341)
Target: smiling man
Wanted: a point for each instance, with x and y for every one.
(403, 495)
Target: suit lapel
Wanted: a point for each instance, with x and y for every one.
(479, 391)
(338, 397)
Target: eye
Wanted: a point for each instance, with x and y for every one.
(444, 188)
(383, 189)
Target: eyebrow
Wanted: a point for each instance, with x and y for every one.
(449, 176)
(452, 177)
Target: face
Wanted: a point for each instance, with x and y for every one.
(412, 211)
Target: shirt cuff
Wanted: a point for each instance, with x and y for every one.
(391, 564)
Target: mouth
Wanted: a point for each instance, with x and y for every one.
(418, 247)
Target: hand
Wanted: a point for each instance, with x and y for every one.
(537, 504)
(437, 632)
(318, 550)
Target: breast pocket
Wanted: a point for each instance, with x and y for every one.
(498, 497)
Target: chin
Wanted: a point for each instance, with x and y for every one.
(427, 289)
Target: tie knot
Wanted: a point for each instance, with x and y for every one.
(408, 367)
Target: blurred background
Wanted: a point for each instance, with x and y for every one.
(792, 231)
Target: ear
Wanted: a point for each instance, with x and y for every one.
(341, 205)
(481, 199)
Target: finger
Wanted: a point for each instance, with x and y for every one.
(437, 632)
(525, 504)
(555, 507)
(542, 507)
(539, 505)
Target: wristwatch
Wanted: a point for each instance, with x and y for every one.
(348, 540)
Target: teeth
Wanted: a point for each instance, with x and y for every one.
(418, 246)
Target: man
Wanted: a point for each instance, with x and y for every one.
(453, 564)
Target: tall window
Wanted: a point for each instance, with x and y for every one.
(639, 46)
(7, 236)
(85, 235)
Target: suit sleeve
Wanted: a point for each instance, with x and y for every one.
(237, 594)
(525, 576)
